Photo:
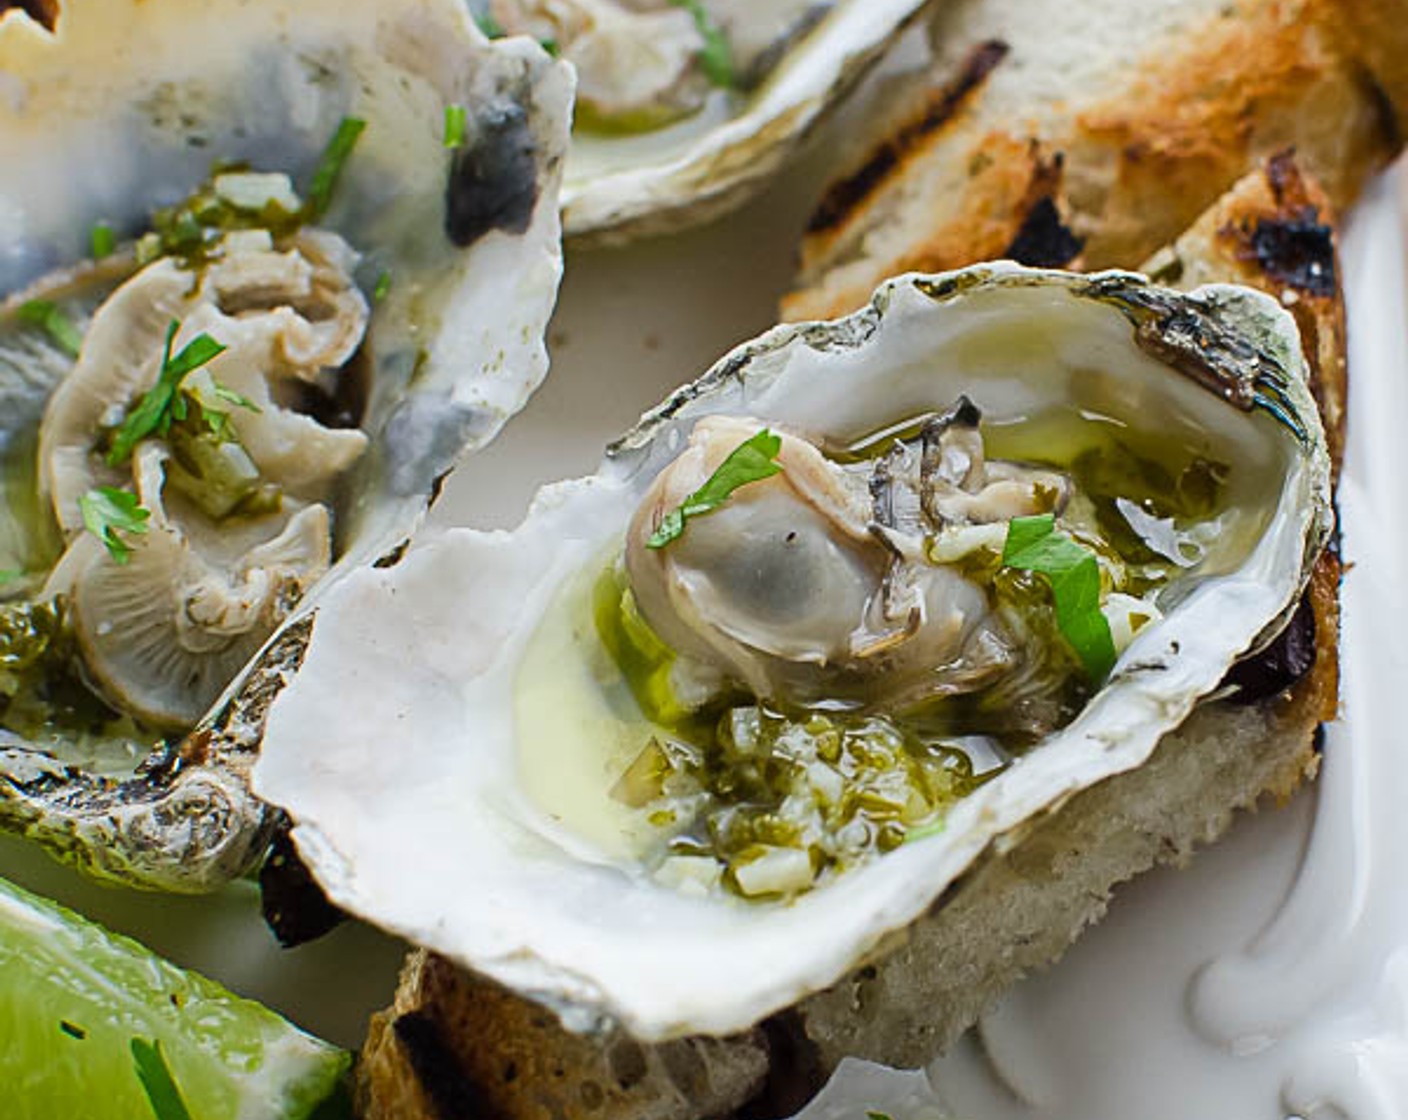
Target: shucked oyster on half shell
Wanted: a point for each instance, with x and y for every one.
(309, 301)
(686, 108)
(719, 722)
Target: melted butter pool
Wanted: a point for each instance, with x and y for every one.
(579, 729)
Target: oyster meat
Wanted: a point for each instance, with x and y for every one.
(863, 600)
(685, 107)
(234, 365)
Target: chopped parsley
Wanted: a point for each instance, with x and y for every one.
(750, 461)
(155, 1076)
(551, 46)
(382, 288)
(162, 403)
(239, 400)
(872, 1115)
(491, 27)
(45, 315)
(108, 511)
(455, 119)
(716, 59)
(216, 421)
(1033, 545)
(102, 241)
(922, 832)
(330, 165)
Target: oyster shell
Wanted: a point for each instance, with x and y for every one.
(658, 144)
(377, 324)
(527, 870)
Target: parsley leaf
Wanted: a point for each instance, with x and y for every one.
(216, 420)
(108, 511)
(155, 1076)
(161, 404)
(716, 59)
(1033, 545)
(330, 165)
(102, 240)
(45, 314)
(382, 287)
(750, 461)
(870, 1115)
(455, 119)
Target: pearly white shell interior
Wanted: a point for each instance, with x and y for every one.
(619, 186)
(394, 748)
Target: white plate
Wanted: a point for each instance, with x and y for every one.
(1108, 1034)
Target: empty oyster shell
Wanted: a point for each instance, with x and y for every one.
(381, 312)
(512, 788)
(685, 109)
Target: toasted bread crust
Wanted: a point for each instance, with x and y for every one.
(446, 1047)
(1202, 93)
(455, 1046)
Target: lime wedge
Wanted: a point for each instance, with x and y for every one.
(93, 1025)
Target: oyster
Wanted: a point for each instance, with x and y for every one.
(305, 304)
(685, 107)
(808, 546)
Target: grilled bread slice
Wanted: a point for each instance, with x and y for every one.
(1088, 135)
(456, 1046)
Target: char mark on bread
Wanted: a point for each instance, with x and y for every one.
(451, 1094)
(845, 195)
(1044, 241)
(1297, 252)
(45, 12)
(1293, 245)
